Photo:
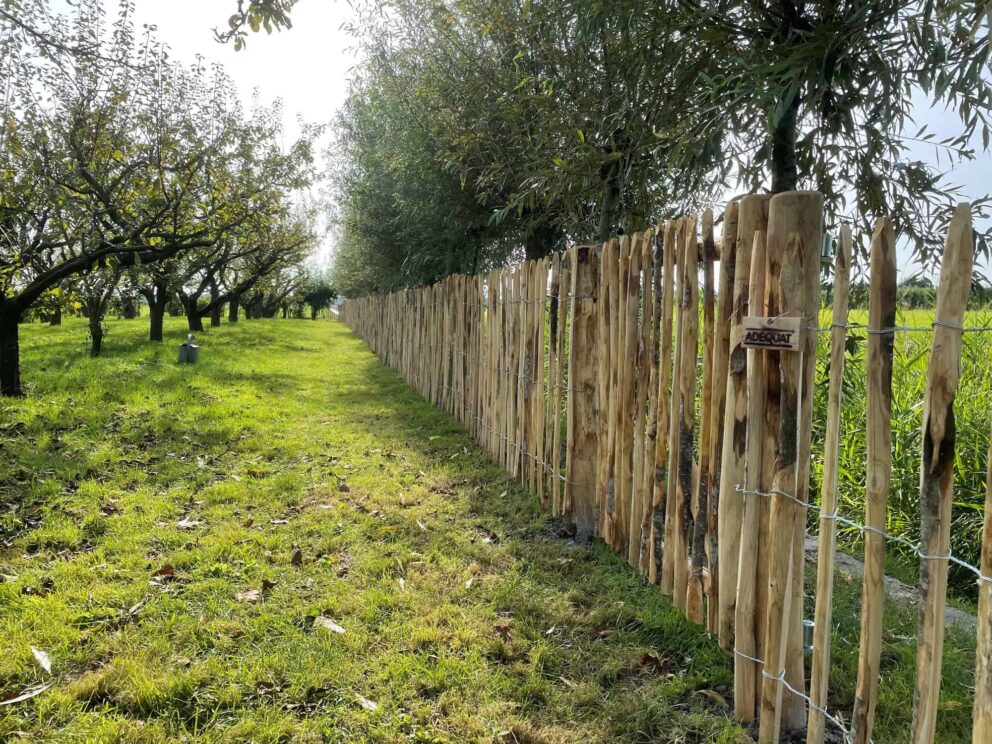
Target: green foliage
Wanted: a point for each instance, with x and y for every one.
(562, 121)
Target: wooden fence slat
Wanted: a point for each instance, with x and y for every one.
(580, 466)
(701, 518)
(721, 362)
(645, 281)
(664, 405)
(881, 315)
(672, 504)
(609, 268)
(654, 257)
(826, 550)
(687, 430)
(785, 512)
(937, 467)
(752, 215)
(747, 673)
(983, 652)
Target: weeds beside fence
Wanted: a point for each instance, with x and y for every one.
(624, 392)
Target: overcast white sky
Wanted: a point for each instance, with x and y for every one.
(308, 67)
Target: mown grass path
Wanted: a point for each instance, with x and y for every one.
(169, 536)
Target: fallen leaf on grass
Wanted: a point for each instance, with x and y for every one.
(468, 584)
(714, 697)
(569, 683)
(268, 586)
(188, 524)
(297, 559)
(650, 660)
(27, 694)
(326, 622)
(249, 596)
(166, 573)
(402, 585)
(366, 703)
(502, 629)
(278, 521)
(42, 658)
(421, 525)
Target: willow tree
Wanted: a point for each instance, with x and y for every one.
(822, 94)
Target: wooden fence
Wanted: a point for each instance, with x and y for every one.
(685, 445)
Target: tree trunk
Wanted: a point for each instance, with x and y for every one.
(541, 241)
(96, 334)
(785, 172)
(611, 197)
(313, 312)
(285, 311)
(55, 319)
(215, 313)
(130, 309)
(156, 315)
(193, 317)
(10, 363)
(233, 309)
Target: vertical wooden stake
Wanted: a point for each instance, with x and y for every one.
(721, 358)
(820, 675)
(580, 467)
(669, 556)
(638, 491)
(751, 215)
(881, 316)
(689, 295)
(983, 653)
(937, 467)
(664, 405)
(694, 598)
(747, 672)
(785, 512)
(652, 255)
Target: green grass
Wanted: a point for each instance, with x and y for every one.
(468, 616)
(909, 380)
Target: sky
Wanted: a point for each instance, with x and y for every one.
(308, 67)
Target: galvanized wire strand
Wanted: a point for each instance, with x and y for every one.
(902, 329)
(862, 528)
(848, 735)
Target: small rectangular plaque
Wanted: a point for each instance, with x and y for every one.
(774, 334)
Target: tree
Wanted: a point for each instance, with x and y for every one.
(821, 94)
(255, 15)
(318, 295)
(117, 158)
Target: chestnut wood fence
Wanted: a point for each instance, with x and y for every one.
(617, 384)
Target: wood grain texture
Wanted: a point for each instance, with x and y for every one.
(747, 673)
(881, 315)
(826, 549)
(982, 716)
(937, 466)
(721, 359)
(580, 468)
(785, 512)
(664, 404)
(751, 215)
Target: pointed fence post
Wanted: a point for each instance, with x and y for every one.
(826, 550)
(580, 465)
(881, 316)
(937, 467)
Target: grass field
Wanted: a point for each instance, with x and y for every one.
(149, 518)
(185, 543)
